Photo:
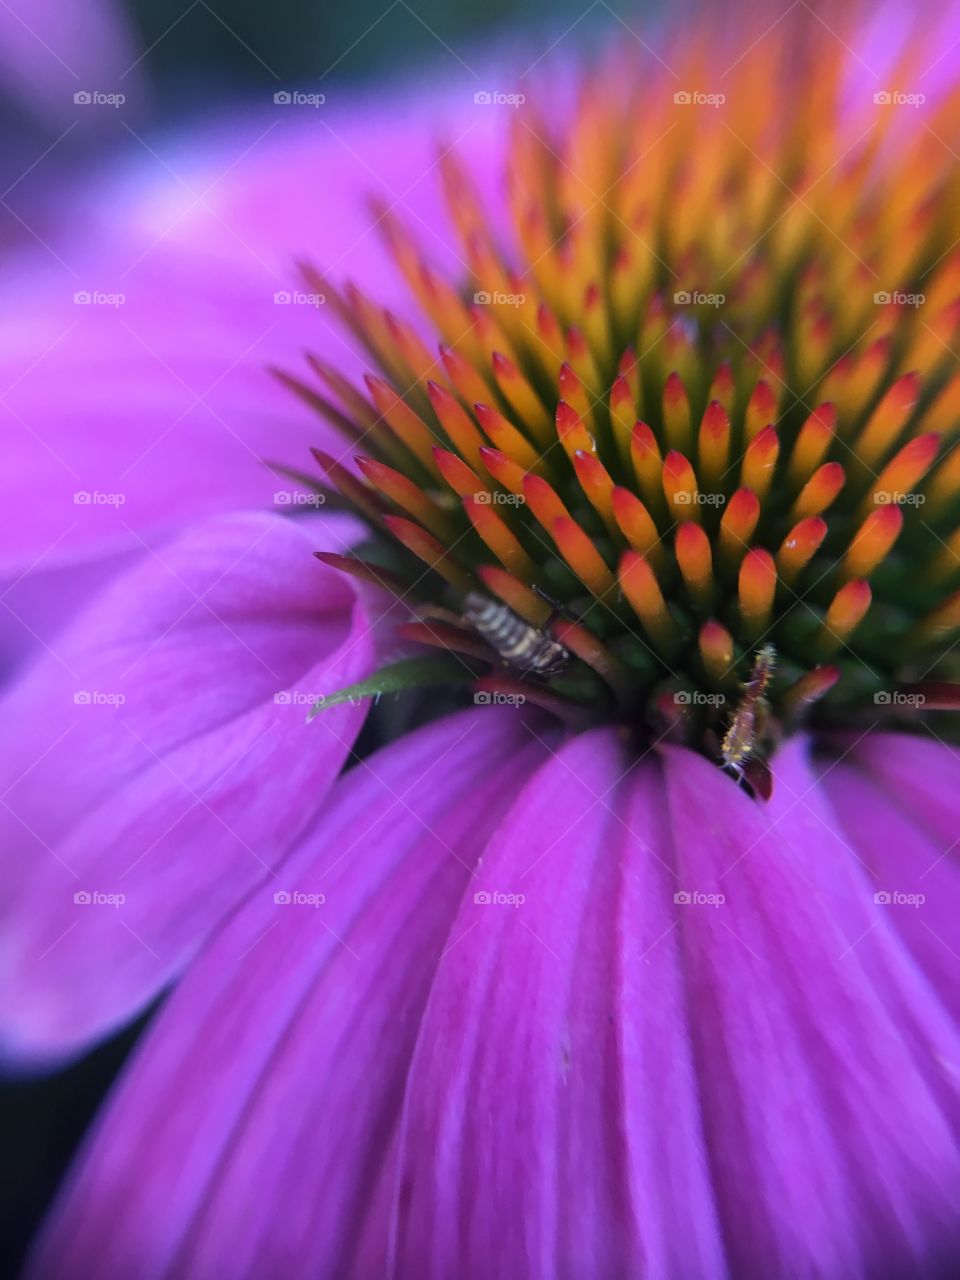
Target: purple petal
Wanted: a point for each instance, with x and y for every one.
(176, 373)
(552, 1127)
(821, 1051)
(37, 604)
(286, 183)
(923, 778)
(898, 800)
(162, 754)
(198, 238)
(291, 1036)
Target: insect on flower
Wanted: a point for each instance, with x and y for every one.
(519, 643)
(746, 727)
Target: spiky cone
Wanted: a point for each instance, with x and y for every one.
(691, 473)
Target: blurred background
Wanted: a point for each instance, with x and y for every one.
(67, 67)
(180, 60)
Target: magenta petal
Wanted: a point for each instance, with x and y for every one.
(261, 1113)
(37, 605)
(898, 800)
(822, 1053)
(922, 777)
(161, 766)
(552, 1127)
(171, 413)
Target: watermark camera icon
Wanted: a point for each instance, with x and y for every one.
(284, 298)
(899, 898)
(98, 698)
(84, 298)
(699, 899)
(684, 698)
(886, 298)
(686, 98)
(298, 98)
(499, 699)
(684, 298)
(897, 98)
(97, 97)
(96, 498)
(281, 898)
(899, 698)
(98, 898)
(486, 98)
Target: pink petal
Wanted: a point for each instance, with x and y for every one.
(291, 1037)
(36, 605)
(153, 759)
(922, 776)
(174, 375)
(198, 236)
(552, 1126)
(821, 1051)
(898, 800)
(289, 182)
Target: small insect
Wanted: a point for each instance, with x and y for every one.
(519, 643)
(746, 727)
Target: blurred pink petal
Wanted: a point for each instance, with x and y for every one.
(171, 413)
(163, 755)
(896, 797)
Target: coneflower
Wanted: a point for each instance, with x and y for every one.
(656, 975)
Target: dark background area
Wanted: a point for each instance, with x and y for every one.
(198, 56)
